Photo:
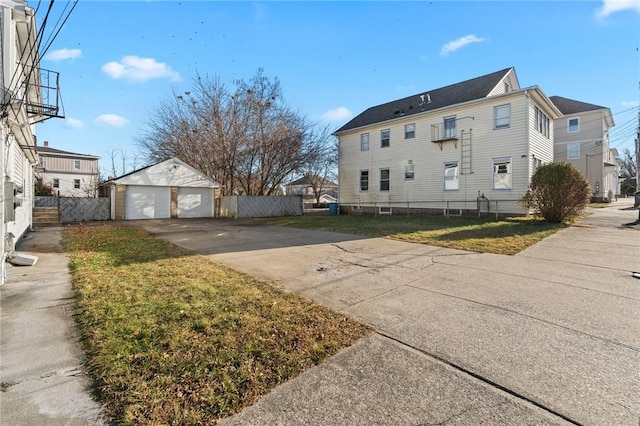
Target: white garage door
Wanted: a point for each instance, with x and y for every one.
(195, 202)
(148, 202)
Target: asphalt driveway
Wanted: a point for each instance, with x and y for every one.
(549, 336)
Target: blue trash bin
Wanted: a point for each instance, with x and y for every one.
(333, 208)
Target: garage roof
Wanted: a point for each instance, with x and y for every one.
(172, 172)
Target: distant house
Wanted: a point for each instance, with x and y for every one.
(305, 187)
(441, 149)
(582, 139)
(69, 174)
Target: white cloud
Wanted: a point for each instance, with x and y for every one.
(454, 45)
(631, 103)
(74, 122)
(111, 120)
(135, 68)
(63, 54)
(338, 114)
(612, 6)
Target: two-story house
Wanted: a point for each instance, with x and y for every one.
(310, 187)
(447, 149)
(25, 102)
(582, 139)
(69, 174)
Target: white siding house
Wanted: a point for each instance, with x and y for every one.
(441, 149)
(582, 139)
(23, 105)
(68, 174)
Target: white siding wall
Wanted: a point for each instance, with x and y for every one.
(541, 145)
(19, 172)
(428, 159)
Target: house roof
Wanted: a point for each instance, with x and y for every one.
(571, 106)
(304, 181)
(457, 93)
(171, 172)
(59, 152)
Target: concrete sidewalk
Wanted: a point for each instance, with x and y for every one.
(40, 358)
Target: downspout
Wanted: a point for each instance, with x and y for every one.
(528, 137)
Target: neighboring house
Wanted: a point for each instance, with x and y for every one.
(164, 190)
(582, 139)
(25, 102)
(67, 173)
(303, 187)
(445, 148)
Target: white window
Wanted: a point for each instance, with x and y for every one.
(76, 164)
(449, 127)
(364, 180)
(55, 183)
(502, 173)
(542, 123)
(385, 138)
(573, 125)
(76, 183)
(502, 116)
(364, 142)
(536, 163)
(384, 179)
(408, 172)
(451, 177)
(573, 151)
(409, 131)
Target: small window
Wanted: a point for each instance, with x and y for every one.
(451, 176)
(76, 183)
(502, 173)
(449, 127)
(384, 210)
(364, 180)
(76, 164)
(408, 172)
(409, 131)
(384, 179)
(502, 116)
(573, 151)
(55, 183)
(573, 125)
(364, 142)
(385, 138)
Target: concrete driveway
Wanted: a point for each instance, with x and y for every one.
(549, 336)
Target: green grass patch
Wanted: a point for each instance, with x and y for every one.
(176, 338)
(508, 236)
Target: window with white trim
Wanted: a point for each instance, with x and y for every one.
(410, 131)
(449, 127)
(384, 180)
(76, 164)
(502, 116)
(76, 183)
(542, 123)
(364, 142)
(502, 173)
(385, 138)
(364, 180)
(573, 151)
(55, 183)
(573, 125)
(451, 176)
(408, 172)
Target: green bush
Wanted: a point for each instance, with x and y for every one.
(558, 192)
(40, 189)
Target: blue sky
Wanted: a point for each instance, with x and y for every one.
(119, 60)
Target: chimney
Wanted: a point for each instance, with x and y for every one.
(46, 143)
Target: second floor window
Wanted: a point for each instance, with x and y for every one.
(410, 131)
(385, 138)
(502, 116)
(573, 125)
(364, 142)
(76, 164)
(449, 127)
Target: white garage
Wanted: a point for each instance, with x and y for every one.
(168, 189)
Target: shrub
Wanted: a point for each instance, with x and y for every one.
(42, 189)
(558, 192)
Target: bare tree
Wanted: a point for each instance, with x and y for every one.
(122, 162)
(628, 171)
(247, 139)
(319, 170)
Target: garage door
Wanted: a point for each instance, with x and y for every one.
(195, 202)
(148, 202)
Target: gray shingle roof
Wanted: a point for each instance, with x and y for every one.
(53, 151)
(570, 106)
(465, 91)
